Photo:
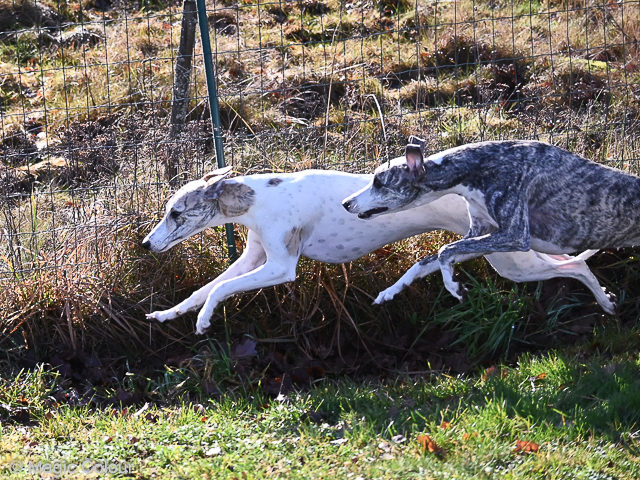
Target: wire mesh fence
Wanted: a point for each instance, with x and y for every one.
(88, 154)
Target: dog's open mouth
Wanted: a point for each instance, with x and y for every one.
(373, 211)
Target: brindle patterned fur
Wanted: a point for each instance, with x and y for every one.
(521, 194)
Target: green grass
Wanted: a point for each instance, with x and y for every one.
(571, 81)
(582, 410)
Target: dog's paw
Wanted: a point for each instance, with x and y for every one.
(387, 295)
(201, 330)
(463, 293)
(162, 316)
(612, 307)
(202, 326)
(459, 291)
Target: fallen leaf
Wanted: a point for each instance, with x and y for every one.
(489, 372)
(526, 447)
(315, 372)
(245, 349)
(151, 418)
(428, 444)
(434, 448)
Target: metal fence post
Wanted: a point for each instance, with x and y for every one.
(214, 107)
(182, 77)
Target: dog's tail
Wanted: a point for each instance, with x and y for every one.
(586, 254)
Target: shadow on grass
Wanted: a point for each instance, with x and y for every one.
(551, 395)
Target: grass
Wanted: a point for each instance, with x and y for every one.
(296, 92)
(578, 408)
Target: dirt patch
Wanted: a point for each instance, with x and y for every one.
(224, 22)
(17, 14)
(93, 150)
(90, 148)
(430, 93)
(459, 57)
(313, 7)
(309, 100)
(575, 83)
(280, 13)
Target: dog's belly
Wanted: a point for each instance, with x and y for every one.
(354, 241)
(552, 248)
(564, 232)
(346, 237)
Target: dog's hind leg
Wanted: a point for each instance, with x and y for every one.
(533, 266)
(252, 257)
(419, 270)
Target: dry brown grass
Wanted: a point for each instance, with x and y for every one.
(295, 92)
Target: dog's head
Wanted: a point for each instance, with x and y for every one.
(198, 205)
(395, 186)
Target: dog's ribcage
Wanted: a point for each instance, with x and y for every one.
(571, 203)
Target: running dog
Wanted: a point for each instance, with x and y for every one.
(294, 214)
(521, 195)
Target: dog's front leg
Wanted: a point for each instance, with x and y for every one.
(419, 270)
(252, 257)
(277, 269)
(468, 248)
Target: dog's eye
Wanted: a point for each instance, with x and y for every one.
(174, 214)
(377, 183)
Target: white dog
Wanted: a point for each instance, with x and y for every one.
(294, 214)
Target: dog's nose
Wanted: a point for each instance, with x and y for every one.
(146, 245)
(347, 205)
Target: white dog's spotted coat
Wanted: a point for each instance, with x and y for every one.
(294, 214)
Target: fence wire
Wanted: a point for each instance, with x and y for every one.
(86, 95)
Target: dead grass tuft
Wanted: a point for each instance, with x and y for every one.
(84, 182)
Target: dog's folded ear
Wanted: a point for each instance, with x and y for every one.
(415, 161)
(218, 174)
(214, 189)
(413, 140)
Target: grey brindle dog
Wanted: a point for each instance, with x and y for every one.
(521, 195)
